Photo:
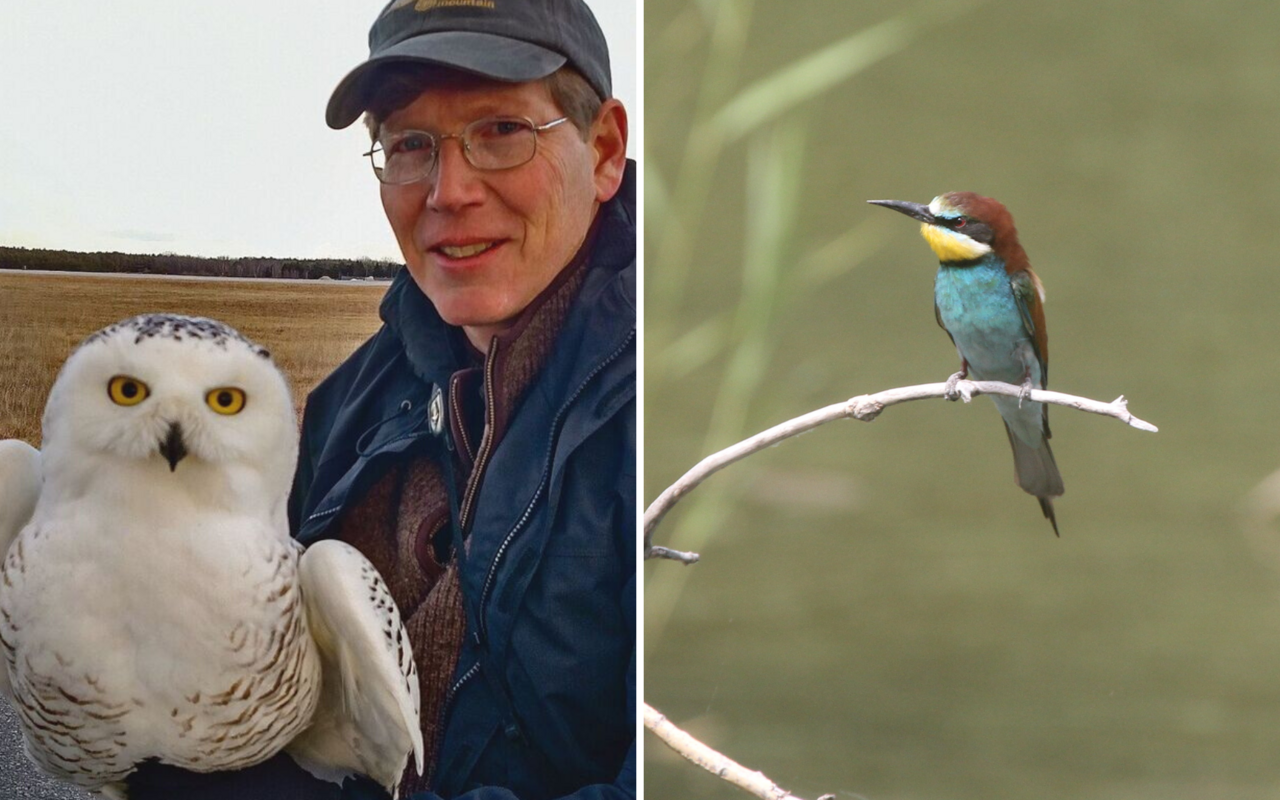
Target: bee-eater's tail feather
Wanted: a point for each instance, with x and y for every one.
(1036, 472)
(1046, 505)
(1034, 467)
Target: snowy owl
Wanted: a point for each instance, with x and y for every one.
(153, 605)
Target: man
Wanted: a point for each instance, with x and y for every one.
(480, 448)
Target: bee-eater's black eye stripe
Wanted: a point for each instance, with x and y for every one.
(979, 232)
(975, 230)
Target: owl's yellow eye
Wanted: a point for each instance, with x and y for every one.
(227, 400)
(126, 391)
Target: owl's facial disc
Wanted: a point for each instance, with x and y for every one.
(157, 392)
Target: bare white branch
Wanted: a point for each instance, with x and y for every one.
(864, 407)
(673, 555)
(713, 761)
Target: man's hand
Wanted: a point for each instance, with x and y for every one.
(278, 778)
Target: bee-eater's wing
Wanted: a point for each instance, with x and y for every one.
(367, 719)
(1029, 295)
(1028, 292)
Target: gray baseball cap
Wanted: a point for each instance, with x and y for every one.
(506, 40)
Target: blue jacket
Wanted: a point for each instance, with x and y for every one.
(544, 697)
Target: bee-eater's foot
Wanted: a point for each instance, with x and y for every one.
(1025, 394)
(951, 392)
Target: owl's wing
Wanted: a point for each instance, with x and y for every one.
(19, 488)
(19, 491)
(367, 720)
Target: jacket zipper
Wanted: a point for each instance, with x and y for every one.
(483, 633)
(461, 424)
(486, 441)
(453, 690)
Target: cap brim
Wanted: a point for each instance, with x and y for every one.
(483, 54)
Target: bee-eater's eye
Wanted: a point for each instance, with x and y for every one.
(960, 222)
(227, 400)
(126, 391)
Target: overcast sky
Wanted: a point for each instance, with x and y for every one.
(198, 128)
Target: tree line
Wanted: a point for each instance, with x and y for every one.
(218, 267)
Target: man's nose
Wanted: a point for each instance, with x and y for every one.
(454, 182)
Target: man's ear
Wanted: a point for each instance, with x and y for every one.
(609, 141)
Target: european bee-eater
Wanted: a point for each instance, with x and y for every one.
(991, 304)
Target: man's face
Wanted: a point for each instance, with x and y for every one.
(483, 244)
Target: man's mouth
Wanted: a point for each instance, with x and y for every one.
(465, 250)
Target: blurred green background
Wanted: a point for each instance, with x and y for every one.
(880, 612)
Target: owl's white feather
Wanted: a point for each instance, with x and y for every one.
(367, 720)
(152, 606)
(19, 488)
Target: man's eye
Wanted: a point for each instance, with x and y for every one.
(410, 144)
(499, 128)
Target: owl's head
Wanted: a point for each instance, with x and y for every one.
(165, 393)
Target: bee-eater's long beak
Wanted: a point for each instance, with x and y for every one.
(915, 210)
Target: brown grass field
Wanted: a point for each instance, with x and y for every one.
(308, 326)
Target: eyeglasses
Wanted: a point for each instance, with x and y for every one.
(488, 144)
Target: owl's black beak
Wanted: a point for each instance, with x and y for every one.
(172, 447)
